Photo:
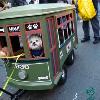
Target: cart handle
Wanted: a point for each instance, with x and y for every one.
(18, 56)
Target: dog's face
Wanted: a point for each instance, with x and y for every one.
(35, 42)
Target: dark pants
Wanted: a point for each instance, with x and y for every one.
(94, 22)
(15, 3)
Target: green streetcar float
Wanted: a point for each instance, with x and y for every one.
(40, 39)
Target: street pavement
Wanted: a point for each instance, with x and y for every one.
(83, 81)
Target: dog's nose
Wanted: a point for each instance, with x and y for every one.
(33, 43)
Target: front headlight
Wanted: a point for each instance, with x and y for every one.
(22, 74)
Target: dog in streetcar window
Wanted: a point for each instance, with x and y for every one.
(35, 45)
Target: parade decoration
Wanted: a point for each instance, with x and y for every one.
(39, 40)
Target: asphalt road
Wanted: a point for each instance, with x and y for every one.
(83, 81)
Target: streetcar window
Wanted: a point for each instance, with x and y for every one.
(3, 41)
(3, 47)
(67, 16)
(60, 34)
(63, 19)
(73, 28)
(35, 44)
(65, 34)
(17, 45)
(59, 20)
(69, 28)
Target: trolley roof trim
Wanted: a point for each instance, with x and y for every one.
(34, 9)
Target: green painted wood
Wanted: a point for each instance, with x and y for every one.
(34, 9)
(36, 13)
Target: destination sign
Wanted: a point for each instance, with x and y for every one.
(32, 26)
(13, 28)
(1, 30)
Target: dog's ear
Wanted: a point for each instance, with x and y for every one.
(39, 35)
(29, 36)
(32, 35)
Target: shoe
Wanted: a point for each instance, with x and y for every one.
(85, 40)
(96, 41)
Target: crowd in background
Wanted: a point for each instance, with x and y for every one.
(14, 3)
(25, 2)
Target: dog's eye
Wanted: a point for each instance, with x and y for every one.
(36, 40)
(30, 41)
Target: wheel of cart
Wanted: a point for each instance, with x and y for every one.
(70, 59)
(63, 77)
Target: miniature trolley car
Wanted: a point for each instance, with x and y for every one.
(36, 41)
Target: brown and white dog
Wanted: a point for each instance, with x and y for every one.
(4, 5)
(35, 45)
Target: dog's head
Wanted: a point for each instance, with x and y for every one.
(35, 42)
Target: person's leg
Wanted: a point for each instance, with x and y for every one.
(86, 30)
(95, 24)
(99, 8)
